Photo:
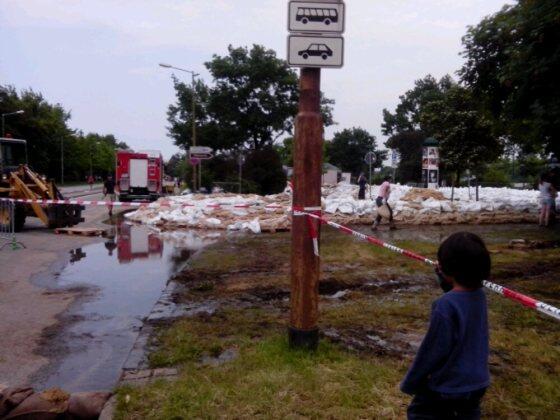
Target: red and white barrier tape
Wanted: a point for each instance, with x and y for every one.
(504, 291)
(139, 203)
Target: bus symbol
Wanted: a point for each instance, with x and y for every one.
(316, 14)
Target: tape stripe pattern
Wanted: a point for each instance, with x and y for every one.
(525, 300)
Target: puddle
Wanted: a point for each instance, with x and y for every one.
(124, 277)
(490, 233)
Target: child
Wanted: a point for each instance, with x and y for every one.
(450, 373)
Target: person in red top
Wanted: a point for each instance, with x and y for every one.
(382, 200)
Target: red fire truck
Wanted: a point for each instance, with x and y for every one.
(139, 175)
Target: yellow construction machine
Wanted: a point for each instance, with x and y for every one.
(18, 181)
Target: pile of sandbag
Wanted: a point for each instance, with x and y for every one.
(254, 213)
(23, 403)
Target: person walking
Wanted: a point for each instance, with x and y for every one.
(90, 182)
(109, 190)
(547, 199)
(450, 373)
(383, 200)
(362, 182)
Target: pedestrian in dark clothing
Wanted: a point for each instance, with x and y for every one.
(450, 373)
(362, 182)
(109, 190)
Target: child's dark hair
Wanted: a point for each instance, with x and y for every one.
(464, 257)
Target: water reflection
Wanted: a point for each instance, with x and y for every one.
(124, 276)
(136, 242)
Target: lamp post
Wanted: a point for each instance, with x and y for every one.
(21, 111)
(193, 75)
(62, 161)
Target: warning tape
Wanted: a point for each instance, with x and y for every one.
(527, 301)
(139, 203)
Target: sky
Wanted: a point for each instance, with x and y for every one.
(99, 58)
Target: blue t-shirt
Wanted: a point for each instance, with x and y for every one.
(453, 357)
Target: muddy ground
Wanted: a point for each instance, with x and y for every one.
(374, 310)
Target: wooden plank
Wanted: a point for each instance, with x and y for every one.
(80, 231)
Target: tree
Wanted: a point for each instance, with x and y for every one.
(409, 146)
(512, 65)
(45, 127)
(264, 168)
(349, 147)
(252, 103)
(404, 125)
(465, 135)
(407, 113)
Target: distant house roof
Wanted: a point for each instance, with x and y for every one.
(328, 167)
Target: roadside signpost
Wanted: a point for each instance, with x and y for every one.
(315, 51)
(196, 155)
(315, 42)
(316, 16)
(201, 152)
(370, 158)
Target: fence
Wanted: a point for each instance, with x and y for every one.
(7, 226)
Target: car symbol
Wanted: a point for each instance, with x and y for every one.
(316, 50)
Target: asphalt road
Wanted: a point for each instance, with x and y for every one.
(28, 311)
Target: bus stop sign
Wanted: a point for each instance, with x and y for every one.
(316, 17)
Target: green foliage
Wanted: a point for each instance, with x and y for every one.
(407, 114)
(252, 103)
(45, 127)
(497, 174)
(348, 148)
(409, 145)
(512, 64)
(405, 124)
(264, 168)
(464, 133)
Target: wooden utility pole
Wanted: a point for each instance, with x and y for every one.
(308, 163)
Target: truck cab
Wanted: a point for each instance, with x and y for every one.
(139, 175)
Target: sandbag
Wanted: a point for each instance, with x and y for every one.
(48, 405)
(87, 405)
(383, 211)
(11, 397)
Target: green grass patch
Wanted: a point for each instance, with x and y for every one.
(269, 380)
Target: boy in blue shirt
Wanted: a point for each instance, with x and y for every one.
(449, 375)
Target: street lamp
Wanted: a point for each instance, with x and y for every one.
(193, 75)
(21, 111)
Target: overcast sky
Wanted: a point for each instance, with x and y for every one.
(99, 58)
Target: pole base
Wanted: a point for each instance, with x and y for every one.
(303, 339)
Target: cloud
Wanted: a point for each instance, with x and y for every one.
(99, 57)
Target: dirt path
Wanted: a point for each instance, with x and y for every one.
(27, 309)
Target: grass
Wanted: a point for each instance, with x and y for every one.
(269, 380)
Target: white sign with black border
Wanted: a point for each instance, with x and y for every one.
(315, 51)
(317, 17)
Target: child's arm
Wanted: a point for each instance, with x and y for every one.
(435, 348)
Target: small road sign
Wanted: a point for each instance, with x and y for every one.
(200, 156)
(370, 158)
(201, 150)
(315, 51)
(323, 17)
(194, 161)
